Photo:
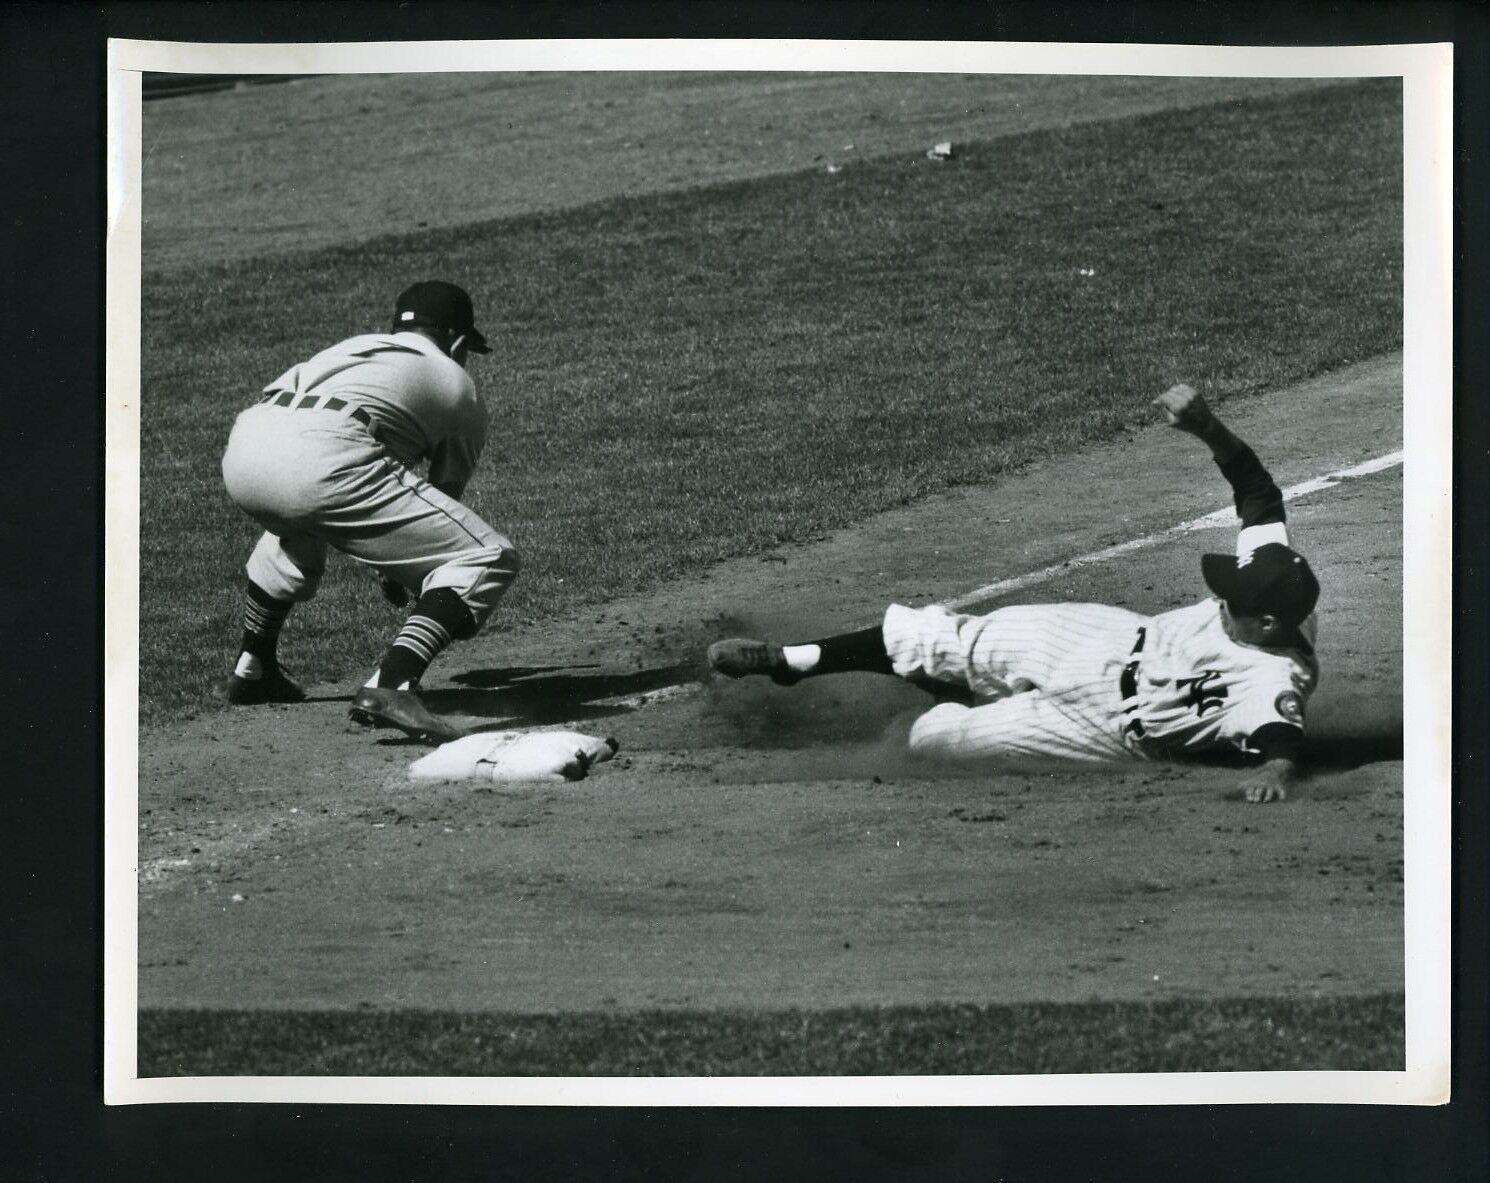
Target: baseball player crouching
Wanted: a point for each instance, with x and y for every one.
(326, 459)
(1098, 683)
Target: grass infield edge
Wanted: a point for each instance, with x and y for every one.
(1351, 1033)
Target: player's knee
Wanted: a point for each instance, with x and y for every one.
(936, 733)
(482, 578)
(283, 580)
(497, 565)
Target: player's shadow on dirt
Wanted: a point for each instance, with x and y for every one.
(1327, 751)
(528, 695)
(1346, 752)
(1349, 727)
(1332, 750)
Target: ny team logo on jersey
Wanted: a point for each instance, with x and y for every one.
(1205, 695)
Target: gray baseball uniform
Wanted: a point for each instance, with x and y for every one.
(327, 458)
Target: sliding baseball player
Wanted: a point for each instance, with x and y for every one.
(1098, 683)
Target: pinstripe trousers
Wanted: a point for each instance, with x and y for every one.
(1047, 677)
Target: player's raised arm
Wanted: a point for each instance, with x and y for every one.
(1259, 502)
(1266, 593)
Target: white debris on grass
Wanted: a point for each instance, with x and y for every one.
(941, 151)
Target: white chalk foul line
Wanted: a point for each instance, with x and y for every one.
(1220, 517)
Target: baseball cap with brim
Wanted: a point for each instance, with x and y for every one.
(435, 304)
(1274, 579)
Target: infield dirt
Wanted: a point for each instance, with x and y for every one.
(754, 846)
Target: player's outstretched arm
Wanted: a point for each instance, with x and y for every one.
(1258, 499)
(1278, 744)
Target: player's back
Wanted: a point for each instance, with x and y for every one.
(415, 395)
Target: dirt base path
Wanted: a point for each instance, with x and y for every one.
(756, 846)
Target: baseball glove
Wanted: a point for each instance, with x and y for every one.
(393, 591)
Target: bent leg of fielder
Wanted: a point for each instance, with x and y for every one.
(458, 596)
(456, 600)
(442, 551)
(287, 567)
(1022, 726)
(283, 570)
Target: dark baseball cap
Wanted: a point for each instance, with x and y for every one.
(1274, 579)
(435, 304)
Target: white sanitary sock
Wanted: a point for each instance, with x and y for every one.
(802, 658)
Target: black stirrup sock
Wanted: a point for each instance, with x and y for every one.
(859, 651)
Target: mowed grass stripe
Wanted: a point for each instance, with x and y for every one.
(691, 377)
(265, 169)
(1339, 1034)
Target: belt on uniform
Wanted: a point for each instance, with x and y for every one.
(311, 401)
(1128, 687)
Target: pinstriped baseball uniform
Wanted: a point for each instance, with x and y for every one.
(1093, 682)
(326, 459)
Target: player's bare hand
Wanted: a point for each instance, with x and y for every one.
(1184, 409)
(1263, 793)
(1269, 783)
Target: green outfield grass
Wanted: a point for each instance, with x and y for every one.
(685, 378)
(1364, 1033)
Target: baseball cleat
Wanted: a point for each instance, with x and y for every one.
(740, 657)
(273, 686)
(375, 706)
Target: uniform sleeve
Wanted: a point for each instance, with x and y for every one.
(453, 459)
(1259, 502)
(1258, 499)
(1276, 741)
(1271, 722)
